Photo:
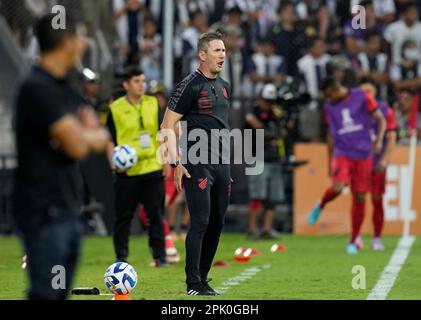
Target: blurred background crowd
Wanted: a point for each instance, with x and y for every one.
(292, 44)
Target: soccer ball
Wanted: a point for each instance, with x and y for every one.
(120, 278)
(124, 157)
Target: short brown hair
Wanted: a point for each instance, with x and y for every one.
(203, 43)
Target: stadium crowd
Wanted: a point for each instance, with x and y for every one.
(292, 45)
(269, 41)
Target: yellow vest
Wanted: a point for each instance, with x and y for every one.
(130, 123)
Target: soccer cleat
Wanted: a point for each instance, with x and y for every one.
(173, 258)
(269, 235)
(159, 263)
(198, 289)
(377, 245)
(209, 288)
(359, 243)
(314, 215)
(352, 249)
(252, 235)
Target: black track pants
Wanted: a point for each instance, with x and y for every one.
(207, 193)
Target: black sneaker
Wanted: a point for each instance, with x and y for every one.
(210, 289)
(198, 289)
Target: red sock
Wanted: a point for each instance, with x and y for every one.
(378, 215)
(329, 195)
(169, 243)
(357, 217)
(166, 227)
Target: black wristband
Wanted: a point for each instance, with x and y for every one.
(176, 164)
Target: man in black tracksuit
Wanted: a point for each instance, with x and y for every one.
(202, 100)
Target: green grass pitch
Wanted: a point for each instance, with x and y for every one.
(315, 268)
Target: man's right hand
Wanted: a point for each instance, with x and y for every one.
(179, 173)
(119, 171)
(88, 117)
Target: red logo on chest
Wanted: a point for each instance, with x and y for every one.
(225, 92)
(203, 183)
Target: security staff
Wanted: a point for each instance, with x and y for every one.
(202, 100)
(134, 120)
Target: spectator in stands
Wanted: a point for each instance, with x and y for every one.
(128, 18)
(289, 38)
(213, 10)
(407, 28)
(312, 68)
(340, 68)
(403, 108)
(354, 37)
(198, 26)
(407, 73)
(384, 10)
(315, 16)
(254, 30)
(150, 45)
(233, 71)
(233, 17)
(266, 66)
(375, 63)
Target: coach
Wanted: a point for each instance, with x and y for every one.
(53, 132)
(203, 101)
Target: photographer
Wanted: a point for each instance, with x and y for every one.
(267, 190)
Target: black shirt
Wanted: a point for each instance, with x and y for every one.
(45, 177)
(204, 104)
(272, 124)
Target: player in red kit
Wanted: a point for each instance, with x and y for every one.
(380, 162)
(349, 113)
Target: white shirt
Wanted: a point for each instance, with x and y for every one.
(260, 61)
(381, 59)
(396, 74)
(397, 33)
(307, 67)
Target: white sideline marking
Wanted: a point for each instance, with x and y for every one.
(245, 275)
(391, 271)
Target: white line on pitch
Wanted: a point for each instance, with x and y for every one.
(391, 272)
(245, 275)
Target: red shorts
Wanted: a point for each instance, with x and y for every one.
(378, 182)
(354, 172)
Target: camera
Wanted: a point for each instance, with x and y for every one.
(290, 97)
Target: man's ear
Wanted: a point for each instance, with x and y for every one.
(202, 55)
(125, 85)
